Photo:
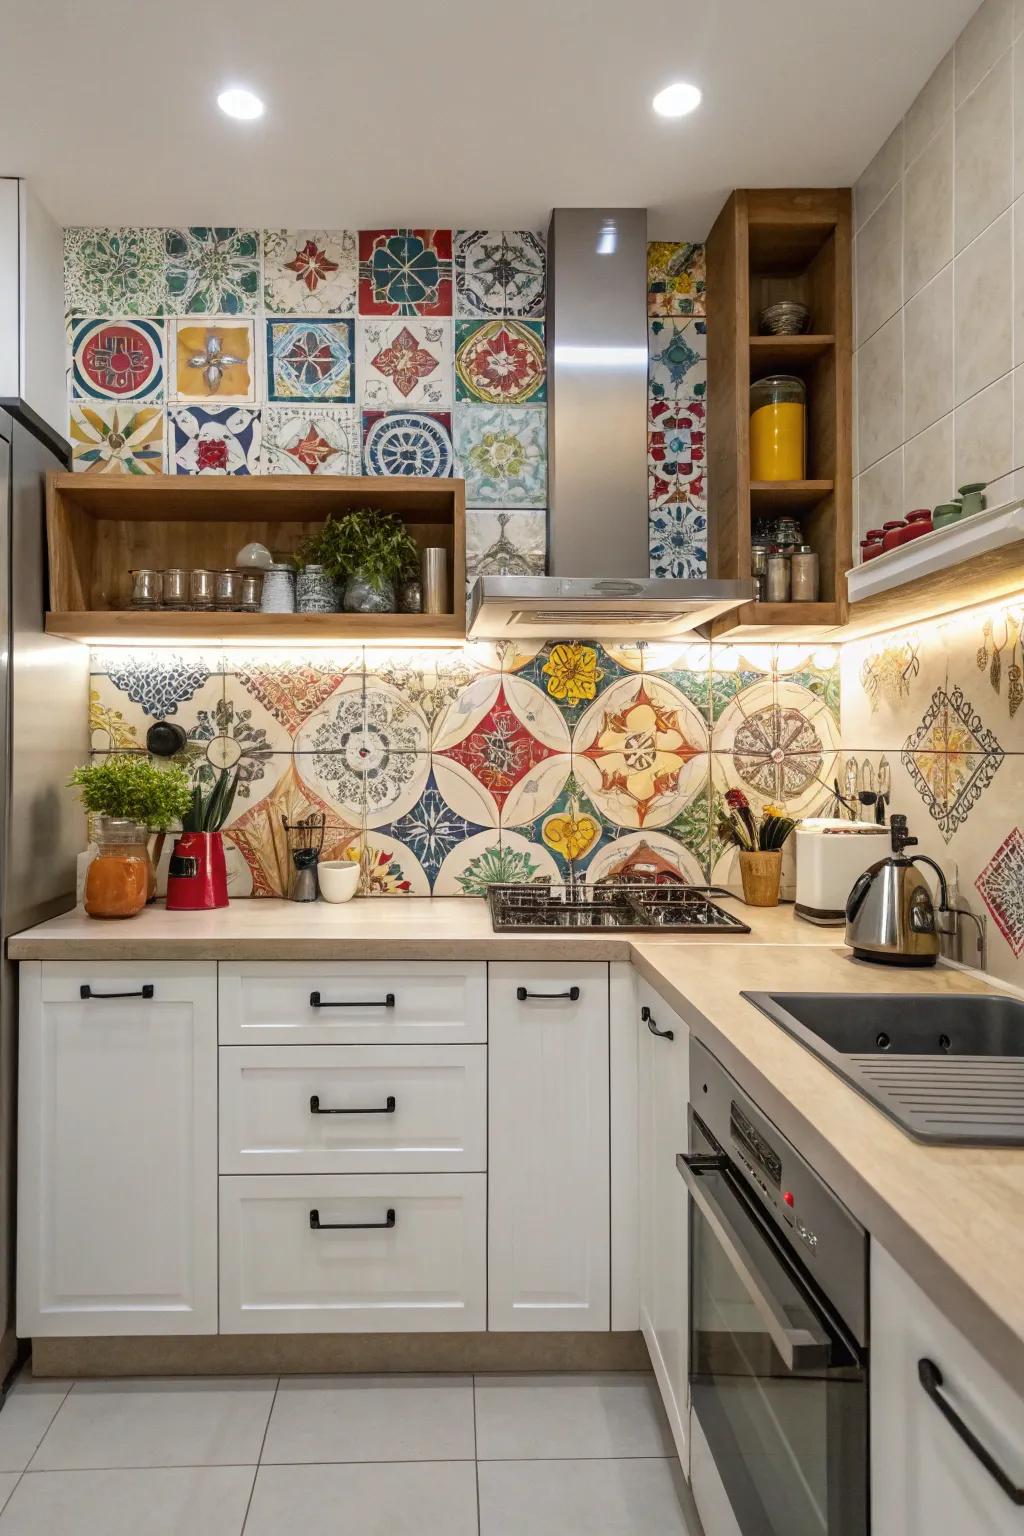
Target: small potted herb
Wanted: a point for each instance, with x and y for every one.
(197, 877)
(127, 797)
(365, 554)
(760, 841)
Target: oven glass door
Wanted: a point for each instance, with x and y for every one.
(779, 1392)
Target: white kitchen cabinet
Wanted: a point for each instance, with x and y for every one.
(548, 1156)
(662, 1099)
(925, 1481)
(117, 1202)
(32, 339)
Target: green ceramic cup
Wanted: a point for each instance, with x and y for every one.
(973, 497)
(945, 513)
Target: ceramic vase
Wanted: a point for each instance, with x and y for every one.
(278, 595)
(362, 596)
(197, 877)
(761, 872)
(315, 592)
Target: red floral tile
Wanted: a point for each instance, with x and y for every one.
(1001, 885)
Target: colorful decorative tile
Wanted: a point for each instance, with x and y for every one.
(309, 271)
(214, 360)
(640, 752)
(429, 681)
(696, 828)
(117, 360)
(407, 443)
(389, 867)
(676, 278)
(678, 540)
(505, 543)
(888, 674)
(110, 729)
(157, 682)
(315, 440)
(227, 737)
(502, 452)
(572, 830)
(1001, 654)
(572, 673)
(310, 360)
(502, 751)
(500, 272)
(406, 363)
(1001, 885)
(292, 688)
(654, 858)
(432, 829)
(212, 271)
(114, 271)
(117, 439)
(368, 752)
(259, 835)
(501, 362)
(405, 272)
(951, 758)
(214, 440)
(677, 359)
(779, 741)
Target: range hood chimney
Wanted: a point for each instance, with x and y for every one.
(599, 585)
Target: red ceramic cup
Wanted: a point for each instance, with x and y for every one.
(197, 876)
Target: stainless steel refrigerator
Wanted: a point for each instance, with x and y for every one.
(44, 732)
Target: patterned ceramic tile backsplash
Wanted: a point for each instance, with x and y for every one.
(221, 351)
(442, 770)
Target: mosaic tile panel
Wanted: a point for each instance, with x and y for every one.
(309, 271)
(502, 452)
(117, 360)
(117, 439)
(505, 543)
(213, 360)
(500, 362)
(405, 363)
(407, 443)
(405, 272)
(500, 272)
(676, 278)
(111, 272)
(311, 360)
(314, 440)
(214, 440)
(212, 271)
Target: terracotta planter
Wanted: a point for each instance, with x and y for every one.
(760, 873)
(197, 878)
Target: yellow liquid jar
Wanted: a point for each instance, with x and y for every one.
(778, 428)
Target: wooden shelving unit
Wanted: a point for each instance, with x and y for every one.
(766, 246)
(100, 529)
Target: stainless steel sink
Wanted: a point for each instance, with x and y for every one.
(947, 1068)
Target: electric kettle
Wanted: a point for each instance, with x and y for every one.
(890, 915)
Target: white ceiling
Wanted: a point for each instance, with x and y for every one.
(449, 112)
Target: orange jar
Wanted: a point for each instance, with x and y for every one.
(117, 880)
(778, 409)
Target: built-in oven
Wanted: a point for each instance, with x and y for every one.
(777, 1327)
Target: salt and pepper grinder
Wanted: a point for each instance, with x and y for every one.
(305, 842)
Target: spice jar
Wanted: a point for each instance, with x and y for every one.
(145, 589)
(777, 428)
(227, 589)
(252, 587)
(777, 577)
(803, 572)
(117, 881)
(175, 588)
(201, 588)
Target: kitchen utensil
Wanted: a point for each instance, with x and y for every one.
(145, 589)
(197, 879)
(890, 915)
(919, 522)
(434, 577)
(339, 879)
(305, 841)
(803, 567)
(785, 318)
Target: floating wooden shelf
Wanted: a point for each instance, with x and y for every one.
(99, 529)
(780, 621)
(786, 354)
(788, 495)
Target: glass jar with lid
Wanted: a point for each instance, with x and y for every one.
(778, 428)
(117, 882)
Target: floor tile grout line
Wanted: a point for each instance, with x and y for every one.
(476, 1456)
(46, 1431)
(259, 1458)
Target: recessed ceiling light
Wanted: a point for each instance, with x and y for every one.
(676, 99)
(238, 102)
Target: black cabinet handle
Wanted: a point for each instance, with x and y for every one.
(316, 1001)
(87, 994)
(316, 1225)
(930, 1378)
(572, 996)
(387, 1108)
(662, 1034)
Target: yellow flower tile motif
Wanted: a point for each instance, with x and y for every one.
(214, 361)
(572, 673)
(641, 750)
(117, 439)
(571, 833)
(676, 278)
(108, 728)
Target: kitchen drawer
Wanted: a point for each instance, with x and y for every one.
(349, 1002)
(377, 1109)
(423, 1273)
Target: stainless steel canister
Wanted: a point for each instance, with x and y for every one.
(228, 589)
(252, 588)
(175, 588)
(434, 574)
(146, 588)
(201, 589)
(804, 574)
(777, 577)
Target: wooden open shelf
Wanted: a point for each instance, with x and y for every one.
(765, 246)
(100, 529)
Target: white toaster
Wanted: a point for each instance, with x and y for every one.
(830, 854)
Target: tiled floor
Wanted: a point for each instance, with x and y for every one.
(585, 1455)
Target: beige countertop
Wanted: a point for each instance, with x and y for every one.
(954, 1217)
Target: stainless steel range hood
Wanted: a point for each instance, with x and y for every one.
(599, 586)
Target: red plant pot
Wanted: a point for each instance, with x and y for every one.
(197, 878)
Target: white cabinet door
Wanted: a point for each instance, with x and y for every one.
(548, 1221)
(664, 1270)
(925, 1481)
(117, 1170)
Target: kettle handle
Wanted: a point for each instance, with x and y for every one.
(856, 897)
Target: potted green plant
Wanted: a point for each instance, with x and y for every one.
(760, 841)
(127, 798)
(365, 554)
(197, 877)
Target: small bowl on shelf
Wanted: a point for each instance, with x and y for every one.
(338, 879)
(786, 318)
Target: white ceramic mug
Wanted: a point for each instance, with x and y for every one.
(338, 879)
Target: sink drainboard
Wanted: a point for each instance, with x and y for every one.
(979, 1100)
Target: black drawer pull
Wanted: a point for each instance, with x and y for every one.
(87, 994)
(930, 1378)
(572, 996)
(387, 1108)
(649, 1020)
(315, 1001)
(316, 1225)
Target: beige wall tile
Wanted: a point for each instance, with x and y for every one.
(928, 465)
(880, 392)
(881, 492)
(983, 150)
(928, 354)
(1018, 117)
(1018, 428)
(880, 177)
(983, 434)
(983, 278)
(928, 212)
(985, 38)
(878, 266)
(1018, 281)
(933, 105)
(1018, 18)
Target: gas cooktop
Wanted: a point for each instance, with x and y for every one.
(682, 908)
